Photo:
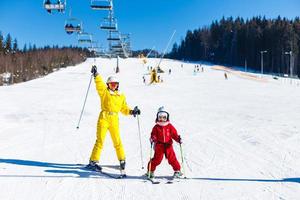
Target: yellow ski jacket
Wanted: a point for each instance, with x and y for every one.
(111, 101)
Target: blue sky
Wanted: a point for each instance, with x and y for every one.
(150, 22)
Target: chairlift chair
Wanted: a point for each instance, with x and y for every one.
(84, 38)
(114, 30)
(114, 36)
(109, 24)
(118, 51)
(94, 46)
(73, 25)
(117, 46)
(101, 5)
(113, 39)
(125, 35)
(93, 49)
(59, 6)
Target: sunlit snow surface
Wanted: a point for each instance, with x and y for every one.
(241, 136)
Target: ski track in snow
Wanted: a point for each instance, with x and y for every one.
(240, 137)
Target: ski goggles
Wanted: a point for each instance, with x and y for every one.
(162, 116)
(113, 84)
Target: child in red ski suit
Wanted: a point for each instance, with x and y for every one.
(162, 135)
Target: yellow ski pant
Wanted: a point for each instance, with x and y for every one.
(108, 121)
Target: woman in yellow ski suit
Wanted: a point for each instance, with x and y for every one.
(112, 102)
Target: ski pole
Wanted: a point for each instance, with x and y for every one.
(141, 149)
(182, 161)
(87, 92)
(149, 167)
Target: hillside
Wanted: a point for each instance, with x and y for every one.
(240, 136)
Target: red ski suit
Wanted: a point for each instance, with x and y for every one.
(163, 136)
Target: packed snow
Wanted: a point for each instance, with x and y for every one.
(241, 136)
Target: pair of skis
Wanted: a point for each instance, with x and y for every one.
(166, 180)
(114, 176)
(121, 175)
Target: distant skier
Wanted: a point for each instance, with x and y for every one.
(153, 77)
(195, 72)
(225, 75)
(144, 79)
(162, 135)
(112, 102)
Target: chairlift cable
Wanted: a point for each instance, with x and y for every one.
(166, 48)
(150, 52)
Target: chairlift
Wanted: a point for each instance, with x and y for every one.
(59, 6)
(101, 5)
(114, 36)
(125, 35)
(119, 51)
(113, 39)
(93, 49)
(109, 24)
(73, 25)
(117, 46)
(94, 46)
(84, 38)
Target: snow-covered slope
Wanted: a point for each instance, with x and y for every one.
(241, 136)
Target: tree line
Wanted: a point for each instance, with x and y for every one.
(251, 44)
(18, 65)
(145, 52)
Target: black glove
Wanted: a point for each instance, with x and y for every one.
(152, 140)
(94, 70)
(179, 139)
(135, 111)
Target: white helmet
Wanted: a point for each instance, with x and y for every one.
(112, 79)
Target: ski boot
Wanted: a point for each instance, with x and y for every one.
(122, 164)
(122, 168)
(177, 174)
(94, 166)
(149, 174)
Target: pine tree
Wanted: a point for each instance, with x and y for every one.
(15, 45)
(1, 43)
(236, 42)
(25, 48)
(8, 43)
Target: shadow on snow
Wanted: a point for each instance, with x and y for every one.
(287, 180)
(78, 171)
(69, 170)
